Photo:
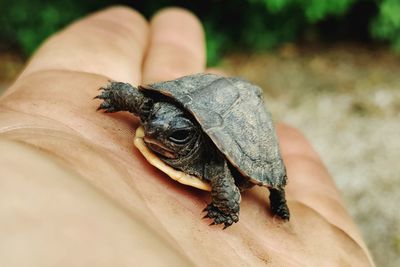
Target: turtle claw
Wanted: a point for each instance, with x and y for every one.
(220, 217)
(108, 100)
(281, 211)
(105, 105)
(104, 95)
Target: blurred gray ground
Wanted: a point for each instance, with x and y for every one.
(346, 99)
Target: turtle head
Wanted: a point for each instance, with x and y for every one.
(170, 132)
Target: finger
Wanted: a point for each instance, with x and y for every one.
(176, 46)
(310, 183)
(110, 43)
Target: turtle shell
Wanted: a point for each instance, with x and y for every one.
(232, 113)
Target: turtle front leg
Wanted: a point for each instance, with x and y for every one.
(120, 96)
(278, 203)
(224, 207)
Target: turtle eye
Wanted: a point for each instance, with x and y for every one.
(180, 136)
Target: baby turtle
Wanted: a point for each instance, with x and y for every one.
(210, 132)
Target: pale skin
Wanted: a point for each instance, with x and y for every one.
(75, 192)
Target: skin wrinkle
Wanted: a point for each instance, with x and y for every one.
(30, 126)
(17, 127)
(250, 245)
(63, 160)
(256, 236)
(232, 248)
(45, 72)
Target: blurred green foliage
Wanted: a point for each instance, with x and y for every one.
(386, 25)
(233, 24)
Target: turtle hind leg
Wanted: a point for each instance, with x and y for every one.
(278, 203)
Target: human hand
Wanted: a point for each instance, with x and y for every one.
(75, 191)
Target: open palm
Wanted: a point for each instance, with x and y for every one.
(75, 191)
